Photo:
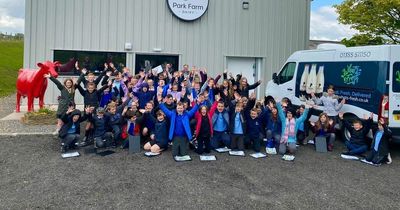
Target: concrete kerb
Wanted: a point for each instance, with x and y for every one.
(28, 134)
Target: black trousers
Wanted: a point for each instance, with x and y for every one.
(203, 142)
(179, 146)
(255, 141)
(237, 142)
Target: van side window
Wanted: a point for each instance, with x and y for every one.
(287, 73)
(396, 77)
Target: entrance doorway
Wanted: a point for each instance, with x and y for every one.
(150, 61)
(248, 67)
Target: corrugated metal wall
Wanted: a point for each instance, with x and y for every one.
(269, 29)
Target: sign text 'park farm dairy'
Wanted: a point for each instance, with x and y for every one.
(188, 10)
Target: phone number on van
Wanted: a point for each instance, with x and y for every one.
(366, 54)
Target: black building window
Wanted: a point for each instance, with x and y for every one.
(93, 61)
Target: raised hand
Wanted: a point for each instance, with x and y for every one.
(343, 101)
(330, 122)
(225, 92)
(307, 106)
(76, 65)
(124, 110)
(142, 74)
(108, 73)
(112, 66)
(84, 71)
(70, 109)
(217, 97)
(190, 97)
(382, 121)
(253, 96)
(341, 115)
(199, 100)
(237, 96)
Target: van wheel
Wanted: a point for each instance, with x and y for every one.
(345, 133)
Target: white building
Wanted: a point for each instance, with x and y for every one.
(249, 36)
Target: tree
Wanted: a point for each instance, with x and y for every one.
(378, 21)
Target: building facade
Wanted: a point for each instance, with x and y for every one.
(252, 37)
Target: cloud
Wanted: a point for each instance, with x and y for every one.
(325, 26)
(12, 14)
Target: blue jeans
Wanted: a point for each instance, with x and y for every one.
(220, 138)
(355, 149)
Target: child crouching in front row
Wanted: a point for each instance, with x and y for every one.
(380, 145)
(159, 136)
(70, 131)
(290, 126)
(357, 145)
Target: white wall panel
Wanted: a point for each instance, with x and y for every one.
(269, 29)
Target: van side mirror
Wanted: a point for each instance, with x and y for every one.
(275, 78)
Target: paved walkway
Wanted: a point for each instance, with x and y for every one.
(11, 124)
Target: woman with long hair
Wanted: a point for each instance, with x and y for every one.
(244, 87)
(66, 99)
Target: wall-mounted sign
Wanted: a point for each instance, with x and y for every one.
(188, 10)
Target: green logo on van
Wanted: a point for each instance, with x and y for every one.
(398, 76)
(351, 74)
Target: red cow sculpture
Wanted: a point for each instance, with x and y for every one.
(33, 84)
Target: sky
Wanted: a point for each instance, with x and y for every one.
(323, 26)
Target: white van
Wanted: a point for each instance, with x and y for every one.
(367, 77)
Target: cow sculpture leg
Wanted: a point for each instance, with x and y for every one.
(30, 103)
(41, 103)
(18, 105)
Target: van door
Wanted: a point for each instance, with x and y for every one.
(394, 96)
(286, 82)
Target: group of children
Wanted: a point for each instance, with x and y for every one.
(188, 106)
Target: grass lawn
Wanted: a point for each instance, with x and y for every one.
(11, 60)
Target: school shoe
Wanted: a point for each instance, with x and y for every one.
(369, 162)
(63, 148)
(113, 144)
(270, 151)
(330, 147)
(84, 142)
(389, 159)
(55, 133)
(348, 156)
(288, 157)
